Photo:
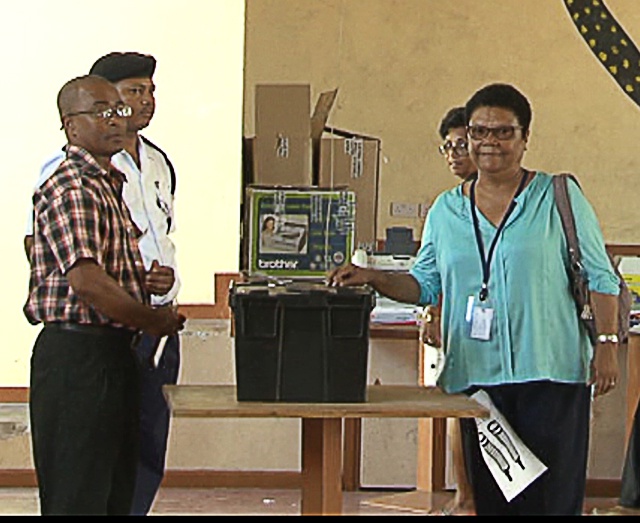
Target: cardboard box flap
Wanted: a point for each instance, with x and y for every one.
(282, 109)
(348, 134)
(321, 113)
(281, 148)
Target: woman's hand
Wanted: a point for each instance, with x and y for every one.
(605, 370)
(430, 327)
(349, 275)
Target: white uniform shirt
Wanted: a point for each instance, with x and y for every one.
(148, 195)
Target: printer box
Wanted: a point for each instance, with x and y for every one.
(297, 232)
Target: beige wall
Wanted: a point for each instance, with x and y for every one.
(199, 46)
(399, 65)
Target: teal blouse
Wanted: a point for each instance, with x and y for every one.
(535, 333)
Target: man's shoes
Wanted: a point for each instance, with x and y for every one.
(618, 510)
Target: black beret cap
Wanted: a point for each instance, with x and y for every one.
(119, 66)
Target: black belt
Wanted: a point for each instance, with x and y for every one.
(87, 328)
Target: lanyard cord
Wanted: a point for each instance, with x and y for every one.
(486, 263)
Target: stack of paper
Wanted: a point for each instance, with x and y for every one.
(392, 312)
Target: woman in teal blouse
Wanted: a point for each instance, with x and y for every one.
(495, 248)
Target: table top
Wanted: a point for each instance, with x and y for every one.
(383, 401)
(390, 331)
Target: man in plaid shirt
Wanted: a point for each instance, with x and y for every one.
(149, 195)
(87, 286)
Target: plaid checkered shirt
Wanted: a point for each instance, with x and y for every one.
(79, 214)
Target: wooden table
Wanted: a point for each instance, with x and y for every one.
(321, 444)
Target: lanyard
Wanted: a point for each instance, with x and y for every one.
(486, 263)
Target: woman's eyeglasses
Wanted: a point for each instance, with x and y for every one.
(501, 132)
(460, 148)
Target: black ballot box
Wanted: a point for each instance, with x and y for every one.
(301, 341)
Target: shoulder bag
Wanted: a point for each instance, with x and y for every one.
(577, 275)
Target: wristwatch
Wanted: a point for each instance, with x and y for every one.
(428, 316)
(607, 338)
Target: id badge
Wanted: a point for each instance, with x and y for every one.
(480, 316)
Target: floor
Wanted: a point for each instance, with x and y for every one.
(221, 501)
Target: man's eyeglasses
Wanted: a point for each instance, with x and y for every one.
(461, 148)
(502, 132)
(121, 111)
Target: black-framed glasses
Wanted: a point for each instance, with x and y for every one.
(459, 147)
(120, 111)
(501, 132)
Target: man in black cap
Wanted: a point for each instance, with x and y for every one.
(149, 194)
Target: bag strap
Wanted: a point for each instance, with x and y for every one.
(563, 204)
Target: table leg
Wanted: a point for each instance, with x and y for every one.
(351, 457)
(321, 466)
(432, 441)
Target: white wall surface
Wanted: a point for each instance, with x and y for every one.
(199, 45)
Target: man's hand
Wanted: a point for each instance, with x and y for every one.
(159, 279)
(97, 288)
(169, 321)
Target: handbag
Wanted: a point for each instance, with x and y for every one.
(577, 275)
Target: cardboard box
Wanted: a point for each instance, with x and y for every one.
(297, 232)
(352, 160)
(294, 149)
(281, 147)
(347, 159)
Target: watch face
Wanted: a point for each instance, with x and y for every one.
(608, 338)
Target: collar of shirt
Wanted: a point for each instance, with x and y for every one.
(117, 177)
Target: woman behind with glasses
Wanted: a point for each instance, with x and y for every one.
(495, 248)
(455, 150)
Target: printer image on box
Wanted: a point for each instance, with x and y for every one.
(298, 232)
(284, 234)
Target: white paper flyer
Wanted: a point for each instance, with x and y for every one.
(512, 464)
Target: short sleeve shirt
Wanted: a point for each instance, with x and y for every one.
(79, 214)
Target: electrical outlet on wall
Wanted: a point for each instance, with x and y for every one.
(405, 210)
